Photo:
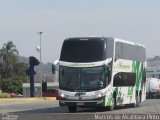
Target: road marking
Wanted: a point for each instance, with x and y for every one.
(29, 99)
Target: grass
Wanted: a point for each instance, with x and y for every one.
(4, 95)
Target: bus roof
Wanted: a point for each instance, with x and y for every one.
(111, 38)
(128, 42)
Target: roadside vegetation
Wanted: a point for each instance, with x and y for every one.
(12, 72)
(5, 95)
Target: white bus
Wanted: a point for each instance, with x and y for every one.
(101, 72)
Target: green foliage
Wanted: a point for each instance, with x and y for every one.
(11, 85)
(8, 53)
(12, 72)
(4, 95)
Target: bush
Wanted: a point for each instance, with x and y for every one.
(13, 84)
(4, 95)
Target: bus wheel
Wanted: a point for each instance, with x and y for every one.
(72, 109)
(137, 101)
(111, 108)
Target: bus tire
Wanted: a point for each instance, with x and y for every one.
(72, 109)
(137, 101)
(133, 105)
(111, 108)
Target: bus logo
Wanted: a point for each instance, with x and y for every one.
(80, 94)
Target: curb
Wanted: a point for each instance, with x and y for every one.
(29, 99)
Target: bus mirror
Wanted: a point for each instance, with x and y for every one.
(53, 69)
(54, 66)
(115, 59)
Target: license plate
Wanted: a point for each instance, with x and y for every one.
(80, 103)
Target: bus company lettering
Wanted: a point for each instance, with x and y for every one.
(120, 65)
(82, 65)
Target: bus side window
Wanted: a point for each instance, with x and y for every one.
(117, 80)
(124, 79)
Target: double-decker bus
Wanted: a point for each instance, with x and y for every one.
(101, 72)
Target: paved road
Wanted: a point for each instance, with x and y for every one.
(49, 110)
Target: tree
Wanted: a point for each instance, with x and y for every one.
(12, 72)
(16, 79)
(8, 53)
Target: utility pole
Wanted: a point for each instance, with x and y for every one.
(40, 52)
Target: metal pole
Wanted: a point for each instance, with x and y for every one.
(40, 51)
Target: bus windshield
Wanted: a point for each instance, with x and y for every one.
(81, 78)
(76, 50)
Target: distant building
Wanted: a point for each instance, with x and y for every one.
(153, 72)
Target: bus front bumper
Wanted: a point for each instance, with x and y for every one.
(99, 102)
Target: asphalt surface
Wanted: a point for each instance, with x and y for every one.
(50, 110)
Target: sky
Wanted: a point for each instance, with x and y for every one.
(132, 20)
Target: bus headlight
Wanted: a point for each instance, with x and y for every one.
(62, 95)
(99, 95)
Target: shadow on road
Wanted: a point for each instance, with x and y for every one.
(65, 110)
(61, 113)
